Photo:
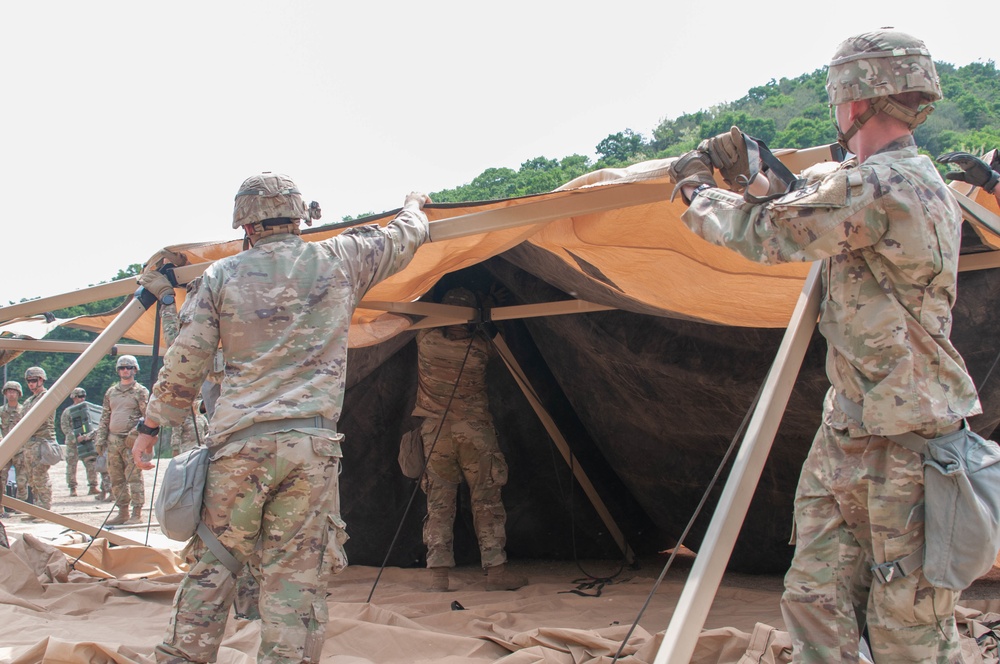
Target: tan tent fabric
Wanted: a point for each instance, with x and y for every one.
(53, 614)
(638, 258)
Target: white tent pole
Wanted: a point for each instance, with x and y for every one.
(45, 346)
(72, 377)
(689, 616)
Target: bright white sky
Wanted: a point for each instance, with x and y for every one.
(128, 126)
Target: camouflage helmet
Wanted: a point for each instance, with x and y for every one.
(35, 372)
(268, 196)
(78, 393)
(13, 385)
(127, 361)
(879, 64)
(461, 297)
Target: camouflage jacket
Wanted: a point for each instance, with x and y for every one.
(439, 361)
(281, 311)
(121, 410)
(9, 417)
(888, 233)
(47, 430)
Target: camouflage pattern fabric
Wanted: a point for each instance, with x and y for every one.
(295, 511)
(126, 478)
(123, 407)
(465, 447)
(184, 436)
(845, 522)
(285, 352)
(73, 456)
(38, 472)
(8, 418)
(888, 233)
(278, 365)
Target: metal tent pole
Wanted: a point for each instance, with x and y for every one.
(689, 616)
(72, 377)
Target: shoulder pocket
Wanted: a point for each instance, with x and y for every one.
(833, 191)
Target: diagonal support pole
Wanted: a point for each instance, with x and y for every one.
(62, 520)
(689, 616)
(563, 446)
(72, 377)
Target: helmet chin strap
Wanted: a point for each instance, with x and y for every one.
(908, 116)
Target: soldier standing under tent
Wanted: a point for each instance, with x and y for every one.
(124, 404)
(280, 311)
(78, 396)
(10, 414)
(37, 472)
(888, 232)
(460, 442)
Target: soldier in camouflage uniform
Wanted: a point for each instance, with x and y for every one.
(887, 230)
(194, 429)
(460, 442)
(281, 312)
(124, 404)
(37, 472)
(10, 414)
(78, 396)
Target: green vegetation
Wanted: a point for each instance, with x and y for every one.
(790, 113)
(101, 377)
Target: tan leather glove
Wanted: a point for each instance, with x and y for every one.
(729, 154)
(693, 168)
(156, 283)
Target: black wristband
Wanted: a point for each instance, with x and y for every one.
(697, 190)
(149, 431)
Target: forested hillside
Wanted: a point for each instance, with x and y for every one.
(790, 113)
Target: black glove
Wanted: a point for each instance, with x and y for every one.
(975, 171)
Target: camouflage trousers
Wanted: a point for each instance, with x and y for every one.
(275, 496)
(126, 478)
(185, 437)
(36, 474)
(72, 458)
(860, 502)
(469, 450)
(20, 466)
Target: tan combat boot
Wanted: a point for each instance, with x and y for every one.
(136, 516)
(439, 579)
(498, 578)
(121, 518)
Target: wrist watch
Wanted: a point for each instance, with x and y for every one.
(149, 431)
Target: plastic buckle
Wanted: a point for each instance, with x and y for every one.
(886, 572)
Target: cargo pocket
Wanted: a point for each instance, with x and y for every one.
(493, 466)
(910, 601)
(334, 555)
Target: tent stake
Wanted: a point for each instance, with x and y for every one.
(692, 608)
(560, 442)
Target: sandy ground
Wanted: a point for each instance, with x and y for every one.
(84, 508)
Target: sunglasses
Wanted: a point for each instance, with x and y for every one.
(124, 368)
(31, 381)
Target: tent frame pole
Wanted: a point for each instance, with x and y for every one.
(563, 446)
(73, 376)
(696, 599)
(62, 520)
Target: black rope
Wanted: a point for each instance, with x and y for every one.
(694, 517)
(427, 456)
